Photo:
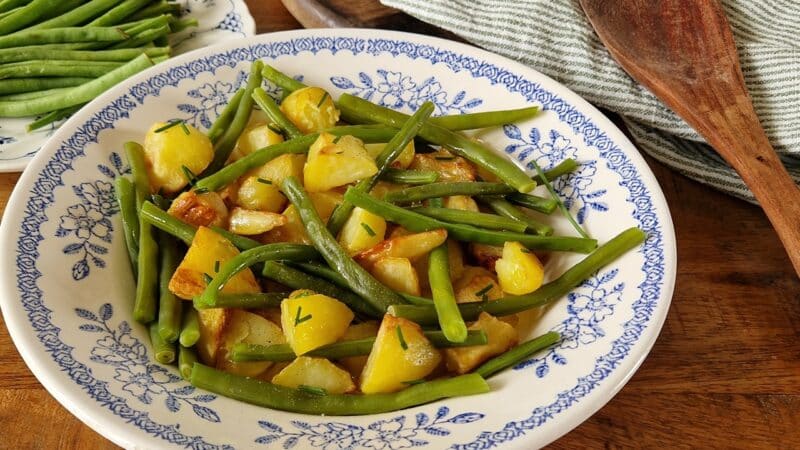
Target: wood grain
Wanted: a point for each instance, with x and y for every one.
(725, 372)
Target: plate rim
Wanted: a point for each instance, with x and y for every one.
(37, 363)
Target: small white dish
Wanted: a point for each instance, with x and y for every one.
(67, 289)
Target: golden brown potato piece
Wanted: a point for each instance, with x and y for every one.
(202, 210)
(485, 255)
(450, 168)
(475, 285)
(410, 246)
(248, 223)
(212, 324)
(502, 336)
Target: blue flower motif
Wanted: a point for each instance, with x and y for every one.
(396, 89)
(389, 434)
(85, 223)
(99, 195)
(144, 381)
(212, 99)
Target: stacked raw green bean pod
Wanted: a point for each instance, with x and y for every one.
(289, 260)
(56, 55)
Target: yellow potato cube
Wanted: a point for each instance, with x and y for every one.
(292, 231)
(202, 210)
(315, 372)
(173, 152)
(336, 164)
(476, 285)
(248, 223)
(361, 231)
(502, 336)
(310, 109)
(401, 354)
(260, 189)
(450, 168)
(355, 364)
(401, 162)
(411, 246)
(256, 138)
(325, 202)
(212, 323)
(485, 255)
(397, 273)
(208, 250)
(246, 327)
(312, 321)
(462, 202)
(519, 270)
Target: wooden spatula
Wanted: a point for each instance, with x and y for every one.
(683, 51)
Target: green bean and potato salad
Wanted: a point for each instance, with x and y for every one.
(289, 260)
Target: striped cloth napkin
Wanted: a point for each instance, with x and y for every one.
(555, 38)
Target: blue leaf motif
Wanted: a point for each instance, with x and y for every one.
(80, 270)
(190, 109)
(205, 398)
(268, 439)
(542, 370)
(466, 417)
(512, 131)
(342, 83)
(98, 249)
(435, 431)
(422, 419)
(291, 442)
(443, 411)
(474, 103)
(301, 425)
(534, 136)
(186, 390)
(85, 314)
(105, 170)
(558, 359)
(269, 426)
(71, 249)
(365, 79)
(90, 327)
(205, 413)
(106, 311)
(459, 97)
(172, 404)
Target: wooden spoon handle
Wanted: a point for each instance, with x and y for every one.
(313, 14)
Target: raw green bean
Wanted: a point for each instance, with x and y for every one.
(417, 223)
(224, 119)
(358, 347)
(564, 211)
(143, 38)
(355, 110)
(52, 117)
(31, 95)
(156, 10)
(26, 15)
(564, 167)
(16, 54)
(477, 219)
(126, 199)
(225, 144)
(433, 190)
(181, 24)
(401, 176)
(8, 5)
(505, 208)
(554, 290)
(444, 299)
(484, 119)
(274, 396)
(56, 68)
(281, 80)
(296, 279)
(164, 351)
(62, 35)
(361, 282)
(246, 301)
(390, 152)
(186, 359)
(8, 13)
(169, 306)
(534, 202)
(247, 258)
(118, 13)
(190, 329)
(273, 111)
(76, 96)
(20, 85)
(517, 354)
(77, 16)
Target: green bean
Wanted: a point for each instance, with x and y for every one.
(245, 259)
(164, 351)
(517, 354)
(17, 54)
(390, 152)
(52, 117)
(181, 24)
(554, 290)
(144, 308)
(62, 35)
(361, 282)
(169, 306)
(187, 357)
(240, 242)
(278, 397)
(190, 329)
(564, 211)
(444, 299)
(126, 200)
(143, 38)
(281, 80)
(564, 167)
(273, 111)
(433, 190)
(505, 208)
(436, 202)
(20, 85)
(359, 347)
(233, 171)
(31, 95)
(156, 10)
(224, 119)
(8, 5)
(40, 68)
(225, 144)
(416, 300)
(118, 13)
(417, 223)
(354, 109)
(246, 301)
(486, 119)
(296, 279)
(534, 202)
(77, 16)
(78, 95)
(402, 176)
(477, 219)
(135, 154)
(26, 15)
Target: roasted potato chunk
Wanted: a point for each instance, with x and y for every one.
(519, 270)
(502, 336)
(485, 255)
(410, 246)
(248, 328)
(476, 285)
(255, 137)
(248, 223)
(450, 168)
(397, 273)
(333, 163)
(260, 188)
(361, 231)
(311, 321)
(401, 162)
(310, 109)
(355, 364)
(212, 324)
(315, 372)
(171, 153)
(202, 210)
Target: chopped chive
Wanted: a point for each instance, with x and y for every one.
(185, 130)
(413, 382)
(263, 180)
(275, 129)
(190, 176)
(401, 338)
(322, 100)
(216, 266)
(201, 190)
(207, 278)
(485, 290)
(313, 390)
(525, 250)
(368, 229)
(298, 320)
(445, 158)
(336, 139)
(171, 124)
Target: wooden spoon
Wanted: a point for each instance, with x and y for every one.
(683, 51)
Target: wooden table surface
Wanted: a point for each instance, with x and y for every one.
(725, 372)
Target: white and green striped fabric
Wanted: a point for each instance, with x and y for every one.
(555, 38)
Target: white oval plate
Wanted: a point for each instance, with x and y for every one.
(67, 289)
(220, 21)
